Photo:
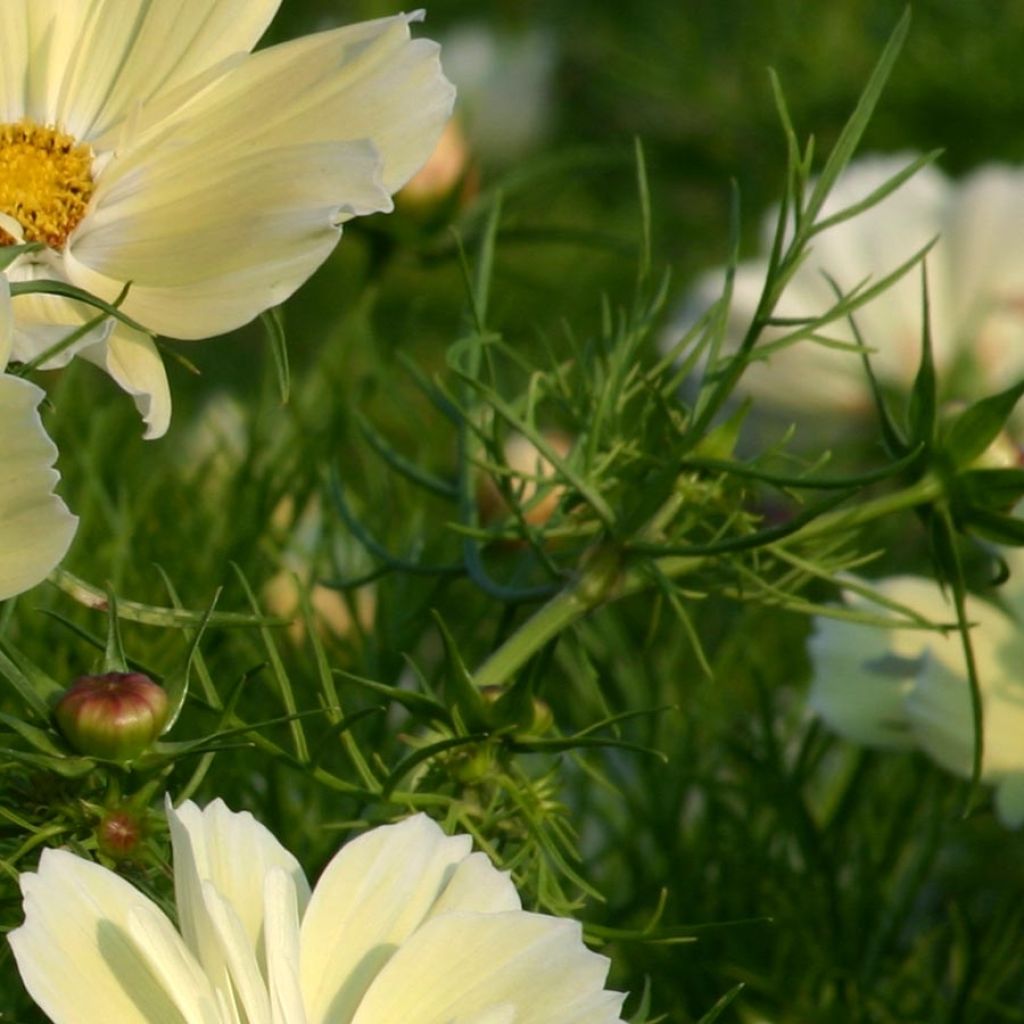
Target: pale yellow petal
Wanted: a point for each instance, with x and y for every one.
(75, 951)
(36, 525)
(132, 359)
(463, 967)
(282, 948)
(128, 52)
(173, 964)
(240, 956)
(375, 893)
(233, 852)
(368, 81)
(204, 263)
(37, 38)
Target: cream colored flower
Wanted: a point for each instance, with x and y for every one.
(142, 143)
(405, 924)
(976, 289)
(909, 688)
(35, 526)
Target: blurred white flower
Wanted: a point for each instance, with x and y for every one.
(405, 925)
(975, 277)
(505, 81)
(35, 525)
(141, 142)
(908, 688)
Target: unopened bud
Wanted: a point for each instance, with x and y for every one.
(532, 480)
(119, 834)
(114, 716)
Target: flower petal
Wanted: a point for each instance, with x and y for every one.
(205, 264)
(36, 525)
(375, 892)
(282, 948)
(854, 252)
(37, 38)
(172, 963)
(986, 256)
(464, 967)
(128, 52)
(368, 81)
(233, 852)
(862, 673)
(289, 144)
(939, 706)
(75, 951)
(132, 359)
(239, 955)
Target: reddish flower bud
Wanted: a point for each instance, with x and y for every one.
(115, 716)
(119, 834)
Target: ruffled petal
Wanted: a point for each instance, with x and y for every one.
(368, 81)
(128, 52)
(465, 967)
(76, 951)
(375, 893)
(36, 525)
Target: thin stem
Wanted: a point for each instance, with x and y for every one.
(603, 579)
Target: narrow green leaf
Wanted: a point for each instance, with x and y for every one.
(854, 128)
(273, 325)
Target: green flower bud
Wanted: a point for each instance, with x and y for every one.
(114, 716)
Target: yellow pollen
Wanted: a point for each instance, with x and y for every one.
(45, 182)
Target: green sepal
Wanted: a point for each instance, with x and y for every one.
(970, 434)
(460, 691)
(998, 489)
(922, 410)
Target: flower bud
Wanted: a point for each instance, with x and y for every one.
(532, 480)
(119, 834)
(114, 716)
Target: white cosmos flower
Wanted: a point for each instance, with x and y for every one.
(908, 688)
(405, 925)
(975, 278)
(35, 526)
(141, 142)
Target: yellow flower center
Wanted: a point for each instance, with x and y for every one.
(45, 182)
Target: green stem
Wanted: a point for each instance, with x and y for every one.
(603, 579)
